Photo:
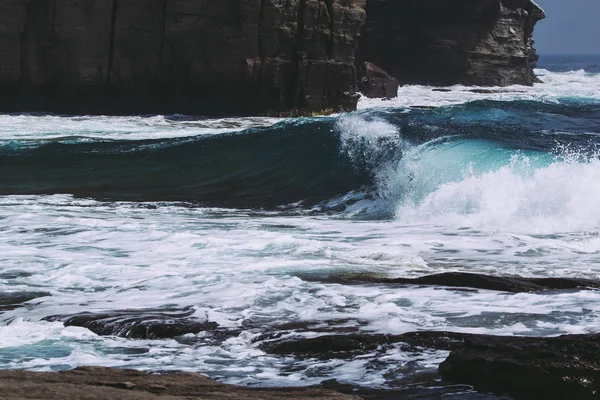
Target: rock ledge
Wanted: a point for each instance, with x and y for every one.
(105, 383)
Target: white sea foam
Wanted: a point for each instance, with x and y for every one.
(23, 127)
(562, 197)
(231, 267)
(573, 85)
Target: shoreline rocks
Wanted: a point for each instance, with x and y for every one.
(467, 280)
(560, 367)
(376, 83)
(108, 383)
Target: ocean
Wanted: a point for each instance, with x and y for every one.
(117, 234)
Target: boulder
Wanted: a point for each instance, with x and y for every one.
(376, 83)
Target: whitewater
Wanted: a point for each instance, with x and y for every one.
(247, 223)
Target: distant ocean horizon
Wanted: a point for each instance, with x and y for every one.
(569, 62)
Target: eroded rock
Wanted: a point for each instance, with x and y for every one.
(564, 367)
(561, 367)
(178, 56)
(106, 383)
(291, 57)
(141, 324)
(514, 284)
(440, 42)
(376, 83)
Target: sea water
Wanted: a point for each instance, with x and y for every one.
(246, 222)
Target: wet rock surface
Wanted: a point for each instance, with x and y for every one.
(142, 324)
(513, 284)
(561, 367)
(106, 383)
(12, 300)
(565, 367)
(354, 344)
(376, 83)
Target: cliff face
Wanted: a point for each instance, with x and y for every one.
(194, 56)
(248, 56)
(441, 42)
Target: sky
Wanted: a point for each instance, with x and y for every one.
(570, 27)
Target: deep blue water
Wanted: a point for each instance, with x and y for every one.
(564, 63)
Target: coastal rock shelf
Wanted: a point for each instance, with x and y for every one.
(521, 367)
(249, 56)
(106, 383)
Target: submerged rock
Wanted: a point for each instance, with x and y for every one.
(356, 344)
(514, 284)
(140, 324)
(12, 300)
(106, 383)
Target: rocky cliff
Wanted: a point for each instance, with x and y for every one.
(441, 42)
(191, 56)
(248, 56)
(96, 383)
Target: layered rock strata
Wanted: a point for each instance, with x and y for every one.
(250, 56)
(440, 42)
(186, 56)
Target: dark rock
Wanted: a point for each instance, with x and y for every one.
(564, 367)
(178, 56)
(139, 324)
(14, 274)
(106, 383)
(423, 386)
(250, 56)
(484, 91)
(440, 42)
(514, 284)
(328, 346)
(12, 300)
(376, 83)
(424, 107)
(350, 345)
